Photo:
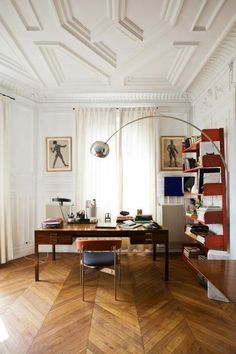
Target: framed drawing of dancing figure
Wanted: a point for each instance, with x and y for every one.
(58, 154)
(171, 153)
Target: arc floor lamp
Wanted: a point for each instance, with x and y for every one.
(101, 149)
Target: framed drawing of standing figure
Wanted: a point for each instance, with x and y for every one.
(58, 154)
(171, 153)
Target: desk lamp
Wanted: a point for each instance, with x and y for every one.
(61, 201)
(101, 149)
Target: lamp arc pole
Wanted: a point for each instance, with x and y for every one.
(101, 149)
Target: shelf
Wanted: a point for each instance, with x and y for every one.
(190, 170)
(215, 242)
(214, 134)
(212, 241)
(211, 161)
(212, 217)
(193, 147)
(213, 189)
(191, 195)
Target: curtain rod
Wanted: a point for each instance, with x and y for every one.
(12, 98)
(91, 107)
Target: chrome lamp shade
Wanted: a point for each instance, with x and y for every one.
(100, 149)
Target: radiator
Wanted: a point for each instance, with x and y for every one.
(173, 218)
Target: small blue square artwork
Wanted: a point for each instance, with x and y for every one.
(173, 186)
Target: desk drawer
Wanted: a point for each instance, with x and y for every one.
(140, 239)
(54, 238)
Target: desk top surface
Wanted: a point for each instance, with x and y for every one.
(221, 273)
(92, 228)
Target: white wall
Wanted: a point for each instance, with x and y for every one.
(215, 108)
(23, 178)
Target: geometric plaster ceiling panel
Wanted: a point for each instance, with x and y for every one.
(207, 14)
(69, 68)
(66, 47)
(28, 15)
(89, 13)
(69, 17)
(154, 72)
(164, 71)
(13, 61)
(184, 53)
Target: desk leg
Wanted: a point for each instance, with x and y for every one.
(154, 251)
(53, 252)
(36, 261)
(167, 260)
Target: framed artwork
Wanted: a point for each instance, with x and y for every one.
(171, 153)
(58, 154)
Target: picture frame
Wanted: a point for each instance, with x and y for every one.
(171, 153)
(58, 154)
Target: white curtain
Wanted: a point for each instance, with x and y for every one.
(138, 164)
(138, 161)
(6, 245)
(97, 178)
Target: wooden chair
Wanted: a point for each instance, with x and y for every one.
(99, 254)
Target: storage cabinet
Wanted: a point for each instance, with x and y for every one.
(208, 192)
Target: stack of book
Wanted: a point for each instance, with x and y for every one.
(129, 224)
(144, 218)
(192, 252)
(122, 218)
(52, 223)
(191, 140)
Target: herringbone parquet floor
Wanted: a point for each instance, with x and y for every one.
(151, 316)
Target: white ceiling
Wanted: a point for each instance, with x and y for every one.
(62, 48)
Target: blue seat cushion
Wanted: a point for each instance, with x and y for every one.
(98, 259)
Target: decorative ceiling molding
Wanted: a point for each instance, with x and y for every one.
(103, 47)
(203, 24)
(14, 66)
(32, 22)
(48, 50)
(23, 66)
(222, 57)
(117, 11)
(16, 87)
(185, 51)
(148, 81)
(126, 23)
(171, 10)
(126, 98)
(72, 25)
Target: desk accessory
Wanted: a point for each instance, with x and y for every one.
(61, 201)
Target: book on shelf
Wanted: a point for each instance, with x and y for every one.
(192, 251)
(191, 140)
(201, 238)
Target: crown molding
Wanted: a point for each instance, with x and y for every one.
(221, 57)
(139, 98)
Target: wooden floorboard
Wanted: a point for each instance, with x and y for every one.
(150, 316)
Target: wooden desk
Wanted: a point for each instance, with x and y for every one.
(221, 273)
(67, 234)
